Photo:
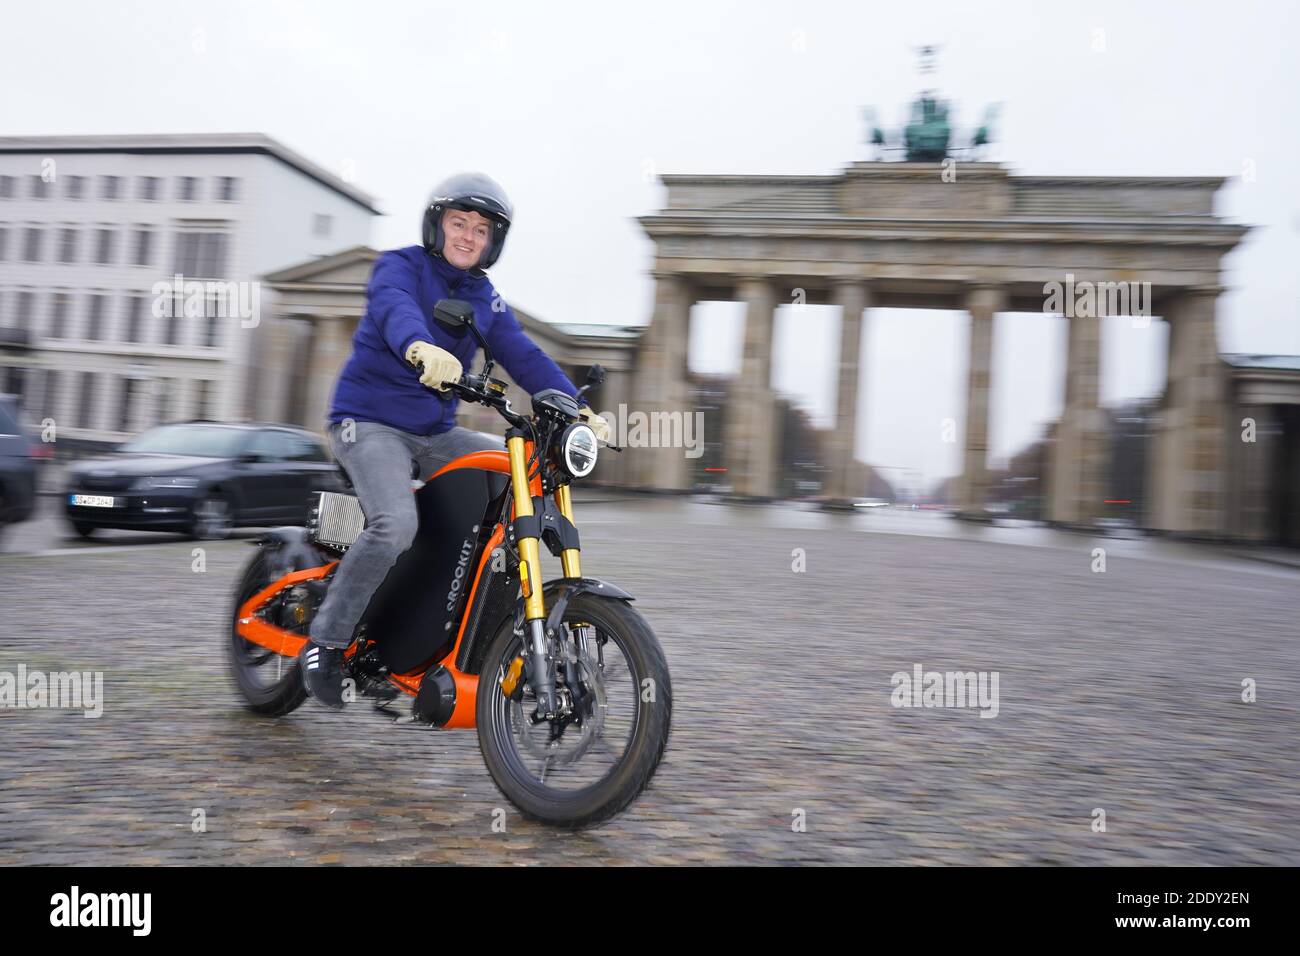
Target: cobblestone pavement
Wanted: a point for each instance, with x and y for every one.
(1118, 690)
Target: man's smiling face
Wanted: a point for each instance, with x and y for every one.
(465, 237)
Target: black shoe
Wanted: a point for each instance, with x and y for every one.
(322, 672)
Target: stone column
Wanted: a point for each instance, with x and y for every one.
(1188, 483)
(983, 303)
(330, 344)
(290, 356)
(750, 437)
(1076, 472)
(852, 296)
(614, 468)
(272, 362)
(661, 393)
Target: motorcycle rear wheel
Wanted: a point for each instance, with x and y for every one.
(622, 637)
(271, 684)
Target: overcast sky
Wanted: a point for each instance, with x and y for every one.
(569, 105)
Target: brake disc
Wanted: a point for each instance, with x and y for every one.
(545, 747)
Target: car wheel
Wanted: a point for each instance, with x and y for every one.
(211, 518)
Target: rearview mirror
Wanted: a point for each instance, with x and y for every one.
(459, 314)
(454, 312)
(595, 375)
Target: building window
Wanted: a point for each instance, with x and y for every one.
(14, 382)
(202, 399)
(87, 400)
(76, 187)
(148, 188)
(228, 188)
(96, 317)
(212, 322)
(110, 187)
(60, 307)
(6, 187)
(127, 404)
(32, 245)
(137, 307)
(50, 399)
(171, 329)
(40, 187)
(67, 244)
(201, 255)
(24, 309)
(322, 225)
(37, 383)
(189, 188)
(104, 246)
(162, 400)
(144, 247)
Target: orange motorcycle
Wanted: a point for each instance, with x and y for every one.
(564, 680)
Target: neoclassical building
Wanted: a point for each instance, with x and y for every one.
(948, 235)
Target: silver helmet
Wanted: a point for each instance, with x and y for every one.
(469, 191)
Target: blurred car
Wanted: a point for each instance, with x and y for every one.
(202, 478)
(19, 456)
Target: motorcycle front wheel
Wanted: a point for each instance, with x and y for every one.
(586, 766)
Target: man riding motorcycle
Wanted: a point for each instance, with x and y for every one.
(383, 415)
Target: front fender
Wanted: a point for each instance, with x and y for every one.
(559, 591)
(556, 594)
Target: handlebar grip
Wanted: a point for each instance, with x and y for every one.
(446, 389)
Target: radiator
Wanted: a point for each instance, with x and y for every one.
(339, 520)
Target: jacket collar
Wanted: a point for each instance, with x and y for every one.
(458, 280)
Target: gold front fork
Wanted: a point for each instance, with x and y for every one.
(541, 671)
(530, 563)
(569, 556)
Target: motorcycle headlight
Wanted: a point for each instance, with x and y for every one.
(166, 481)
(578, 450)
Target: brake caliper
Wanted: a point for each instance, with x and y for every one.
(510, 679)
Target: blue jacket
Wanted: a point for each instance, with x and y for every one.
(377, 385)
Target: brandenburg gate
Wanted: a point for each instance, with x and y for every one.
(949, 235)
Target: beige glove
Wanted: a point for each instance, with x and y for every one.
(598, 424)
(440, 366)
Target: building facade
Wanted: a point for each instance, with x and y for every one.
(96, 334)
(970, 236)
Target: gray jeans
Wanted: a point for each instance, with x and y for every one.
(379, 463)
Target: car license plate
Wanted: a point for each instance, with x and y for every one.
(93, 501)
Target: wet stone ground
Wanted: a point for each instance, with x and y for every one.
(1118, 691)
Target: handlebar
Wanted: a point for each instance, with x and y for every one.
(473, 388)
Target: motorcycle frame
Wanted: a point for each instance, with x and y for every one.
(512, 462)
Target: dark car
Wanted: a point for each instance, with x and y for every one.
(202, 478)
(17, 467)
